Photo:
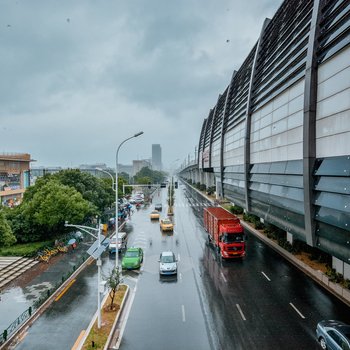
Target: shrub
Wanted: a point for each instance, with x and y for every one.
(235, 209)
(26, 249)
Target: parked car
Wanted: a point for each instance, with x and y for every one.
(167, 263)
(154, 215)
(333, 335)
(158, 207)
(132, 259)
(166, 225)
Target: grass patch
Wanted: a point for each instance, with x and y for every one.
(25, 249)
(97, 337)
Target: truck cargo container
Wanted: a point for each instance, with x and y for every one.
(225, 232)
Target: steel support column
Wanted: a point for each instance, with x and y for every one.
(309, 131)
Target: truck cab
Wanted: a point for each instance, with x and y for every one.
(231, 241)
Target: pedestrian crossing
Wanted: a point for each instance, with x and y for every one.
(189, 205)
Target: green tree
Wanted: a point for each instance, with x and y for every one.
(91, 188)
(113, 281)
(7, 238)
(52, 205)
(153, 175)
(143, 180)
(23, 227)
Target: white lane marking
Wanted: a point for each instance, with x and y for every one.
(266, 276)
(223, 277)
(125, 318)
(299, 313)
(241, 312)
(183, 313)
(178, 257)
(180, 277)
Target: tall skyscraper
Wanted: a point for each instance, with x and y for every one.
(156, 157)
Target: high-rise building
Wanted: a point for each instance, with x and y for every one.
(156, 157)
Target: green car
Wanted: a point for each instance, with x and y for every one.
(132, 258)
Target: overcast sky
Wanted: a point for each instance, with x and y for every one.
(78, 77)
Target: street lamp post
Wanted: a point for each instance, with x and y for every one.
(111, 176)
(116, 196)
(98, 262)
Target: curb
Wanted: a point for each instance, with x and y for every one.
(94, 318)
(318, 276)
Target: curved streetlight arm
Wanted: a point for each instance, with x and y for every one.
(84, 228)
(112, 177)
(129, 138)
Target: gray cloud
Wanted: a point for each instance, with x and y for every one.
(78, 77)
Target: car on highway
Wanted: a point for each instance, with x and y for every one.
(154, 215)
(158, 207)
(132, 258)
(333, 335)
(166, 225)
(167, 263)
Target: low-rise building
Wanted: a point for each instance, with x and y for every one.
(14, 177)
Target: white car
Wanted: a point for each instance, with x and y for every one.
(167, 263)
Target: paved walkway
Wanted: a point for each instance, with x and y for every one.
(13, 266)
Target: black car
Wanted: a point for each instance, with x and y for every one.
(158, 207)
(333, 335)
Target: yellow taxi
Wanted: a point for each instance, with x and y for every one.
(154, 215)
(166, 225)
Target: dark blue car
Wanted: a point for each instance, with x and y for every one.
(333, 335)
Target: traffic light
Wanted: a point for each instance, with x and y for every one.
(176, 184)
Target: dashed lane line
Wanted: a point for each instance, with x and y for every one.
(264, 274)
(183, 313)
(223, 277)
(297, 311)
(241, 312)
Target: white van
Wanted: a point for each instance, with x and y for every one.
(122, 242)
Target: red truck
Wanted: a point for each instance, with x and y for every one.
(225, 232)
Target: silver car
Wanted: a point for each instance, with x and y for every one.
(167, 263)
(333, 335)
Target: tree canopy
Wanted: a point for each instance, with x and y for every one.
(148, 175)
(44, 215)
(7, 238)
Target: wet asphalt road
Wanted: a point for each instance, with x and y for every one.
(262, 302)
(257, 303)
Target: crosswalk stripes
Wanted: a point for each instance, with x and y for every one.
(189, 205)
